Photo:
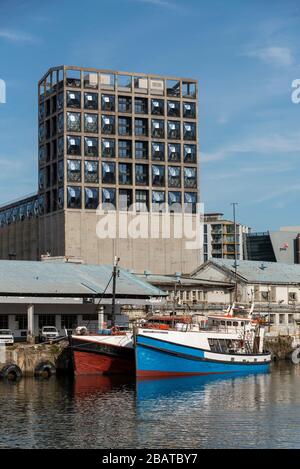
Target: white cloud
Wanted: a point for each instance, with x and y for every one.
(274, 55)
(162, 3)
(15, 36)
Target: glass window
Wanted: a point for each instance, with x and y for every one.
(141, 150)
(174, 176)
(91, 101)
(125, 199)
(42, 111)
(73, 78)
(189, 110)
(108, 173)
(174, 108)
(90, 80)
(158, 198)
(141, 201)
(91, 196)
(158, 175)
(190, 178)
(190, 153)
(47, 320)
(60, 123)
(124, 104)
(157, 107)
(141, 105)
(124, 125)
(174, 130)
(60, 171)
(190, 201)
(125, 173)
(108, 124)
(158, 151)
(141, 127)
(173, 88)
(68, 321)
(107, 102)
(109, 196)
(174, 200)
(125, 82)
(108, 148)
(41, 133)
(90, 146)
(74, 99)
(74, 197)
(141, 174)
(42, 179)
(189, 89)
(74, 145)
(60, 101)
(125, 149)
(91, 170)
(107, 81)
(91, 123)
(73, 121)
(189, 131)
(42, 154)
(174, 153)
(157, 128)
(74, 170)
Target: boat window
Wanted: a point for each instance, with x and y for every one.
(229, 323)
(223, 323)
(242, 323)
(235, 323)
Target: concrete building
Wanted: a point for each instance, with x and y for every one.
(274, 246)
(65, 295)
(219, 237)
(273, 287)
(117, 139)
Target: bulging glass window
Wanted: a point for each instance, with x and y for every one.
(74, 99)
(91, 146)
(174, 130)
(189, 109)
(190, 200)
(91, 123)
(74, 145)
(109, 197)
(60, 197)
(108, 148)
(158, 175)
(91, 101)
(36, 208)
(15, 214)
(74, 197)
(60, 171)
(91, 171)
(158, 128)
(107, 102)
(174, 200)
(22, 214)
(125, 173)
(42, 179)
(190, 178)
(189, 131)
(91, 196)
(158, 151)
(73, 121)
(141, 174)
(108, 124)
(8, 216)
(190, 153)
(2, 219)
(174, 108)
(60, 147)
(41, 133)
(60, 101)
(42, 111)
(174, 176)
(157, 107)
(41, 206)
(42, 154)
(108, 173)
(74, 170)
(158, 198)
(29, 209)
(174, 152)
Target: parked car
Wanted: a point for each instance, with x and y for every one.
(6, 337)
(48, 333)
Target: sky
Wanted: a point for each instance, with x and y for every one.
(245, 55)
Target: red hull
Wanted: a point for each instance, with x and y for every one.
(88, 363)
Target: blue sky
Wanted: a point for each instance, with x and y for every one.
(245, 55)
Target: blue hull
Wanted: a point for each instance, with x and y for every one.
(156, 357)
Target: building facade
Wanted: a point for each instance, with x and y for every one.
(222, 238)
(116, 139)
(274, 246)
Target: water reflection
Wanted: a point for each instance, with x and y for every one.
(203, 412)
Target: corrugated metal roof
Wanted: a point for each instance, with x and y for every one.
(258, 271)
(29, 278)
(172, 279)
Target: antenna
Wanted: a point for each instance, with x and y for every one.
(234, 204)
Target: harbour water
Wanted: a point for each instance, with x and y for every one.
(254, 411)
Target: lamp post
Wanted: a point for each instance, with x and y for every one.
(234, 204)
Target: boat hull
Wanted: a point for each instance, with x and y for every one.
(92, 357)
(155, 357)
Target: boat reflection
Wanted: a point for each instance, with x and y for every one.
(86, 385)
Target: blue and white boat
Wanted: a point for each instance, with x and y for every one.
(226, 344)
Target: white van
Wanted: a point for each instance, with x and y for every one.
(6, 337)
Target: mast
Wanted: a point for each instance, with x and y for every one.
(113, 301)
(234, 204)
